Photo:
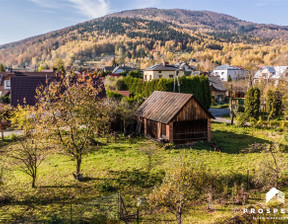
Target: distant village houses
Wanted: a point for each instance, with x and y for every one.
(123, 68)
(163, 70)
(226, 71)
(271, 74)
(218, 89)
(21, 86)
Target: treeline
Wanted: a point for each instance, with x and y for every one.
(197, 85)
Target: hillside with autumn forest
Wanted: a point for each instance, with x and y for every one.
(147, 36)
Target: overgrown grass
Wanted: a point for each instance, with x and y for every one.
(133, 166)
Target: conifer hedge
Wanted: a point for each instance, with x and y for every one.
(197, 85)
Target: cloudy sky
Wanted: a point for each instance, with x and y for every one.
(24, 18)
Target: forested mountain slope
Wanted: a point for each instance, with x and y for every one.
(147, 36)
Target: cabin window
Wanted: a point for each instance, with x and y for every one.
(171, 76)
(145, 77)
(150, 77)
(7, 84)
(159, 76)
(159, 71)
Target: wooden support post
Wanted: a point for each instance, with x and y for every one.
(145, 126)
(171, 137)
(158, 130)
(209, 130)
(167, 131)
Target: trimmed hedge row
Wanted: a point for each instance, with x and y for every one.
(197, 85)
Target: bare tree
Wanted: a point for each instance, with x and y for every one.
(30, 154)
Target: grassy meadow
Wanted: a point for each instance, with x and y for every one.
(133, 166)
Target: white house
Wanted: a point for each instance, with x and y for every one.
(224, 71)
(271, 74)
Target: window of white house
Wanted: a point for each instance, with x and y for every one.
(150, 77)
(145, 77)
(159, 76)
(159, 71)
(7, 84)
(171, 76)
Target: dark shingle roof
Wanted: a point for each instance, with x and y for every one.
(164, 106)
(161, 67)
(216, 83)
(227, 67)
(109, 68)
(23, 87)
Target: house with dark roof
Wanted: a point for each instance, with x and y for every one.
(123, 68)
(5, 84)
(5, 79)
(23, 88)
(162, 70)
(188, 69)
(174, 117)
(217, 87)
(108, 68)
(271, 74)
(226, 71)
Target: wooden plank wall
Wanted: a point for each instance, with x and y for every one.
(191, 111)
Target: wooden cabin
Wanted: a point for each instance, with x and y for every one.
(175, 117)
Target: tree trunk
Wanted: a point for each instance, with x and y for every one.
(124, 127)
(78, 167)
(179, 218)
(33, 180)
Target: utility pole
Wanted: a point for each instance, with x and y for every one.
(231, 105)
(176, 76)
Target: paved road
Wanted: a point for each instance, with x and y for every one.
(219, 113)
(15, 132)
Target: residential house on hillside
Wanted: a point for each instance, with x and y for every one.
(5, 79)
(23, 88)
(188, 69)
(123, 68)
(224, 71)
(109, 68)
(218, 90)
(5, 83)
(162, 70)
(269, 74)
(174, 117)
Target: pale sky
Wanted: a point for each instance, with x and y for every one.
(20, 19)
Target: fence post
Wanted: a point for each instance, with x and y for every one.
(71, 219)
(138, 217)
(120, 206)
(247, 180)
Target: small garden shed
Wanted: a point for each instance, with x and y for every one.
(175, 117)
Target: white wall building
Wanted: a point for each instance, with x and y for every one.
(271, 74)
(224, 71)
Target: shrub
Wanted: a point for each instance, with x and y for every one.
(252, 103)
(273, 103)
(113, 95)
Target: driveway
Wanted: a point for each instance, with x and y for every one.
(219, 113)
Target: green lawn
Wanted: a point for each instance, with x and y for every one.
(133, 166)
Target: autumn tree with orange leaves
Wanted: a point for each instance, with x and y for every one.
(71, 114)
